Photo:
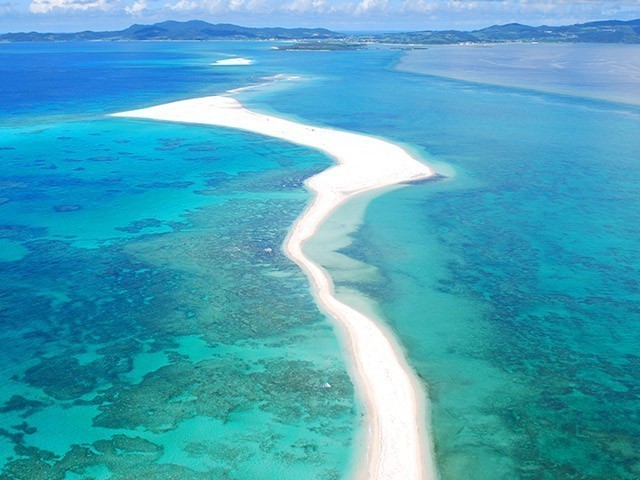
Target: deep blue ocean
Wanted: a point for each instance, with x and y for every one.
(153, 328)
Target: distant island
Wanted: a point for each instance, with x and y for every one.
(608, 31)
(174, 31)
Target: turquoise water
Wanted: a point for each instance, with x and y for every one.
(512, 283)
(156, 327)
(94, 78)
(152, 326)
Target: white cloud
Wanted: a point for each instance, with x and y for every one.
(137, 8)
(46, 6)
(307, 6)
(365, 7)
(439, 11)
(182, 6)
(383, 14)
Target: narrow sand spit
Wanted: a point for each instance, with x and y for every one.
(398, 446)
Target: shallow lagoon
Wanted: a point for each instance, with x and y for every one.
(512, 284)
(155, 327)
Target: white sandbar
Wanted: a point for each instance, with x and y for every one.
(232, 62)
(398, 445)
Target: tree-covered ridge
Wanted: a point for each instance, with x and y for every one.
(172, 30)
(609, 31)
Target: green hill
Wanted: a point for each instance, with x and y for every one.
(172, 30)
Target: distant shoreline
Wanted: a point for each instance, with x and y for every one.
(605, 31)
(398, 447)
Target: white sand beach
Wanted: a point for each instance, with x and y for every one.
(398, 447)
(232, 62)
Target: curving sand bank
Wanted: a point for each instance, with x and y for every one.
(398, 448)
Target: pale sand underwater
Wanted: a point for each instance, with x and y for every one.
(398, 447)
(232, 62)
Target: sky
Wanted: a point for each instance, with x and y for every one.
(341, 15)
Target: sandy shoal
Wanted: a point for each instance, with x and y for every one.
(398, 446)
(232, 62)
